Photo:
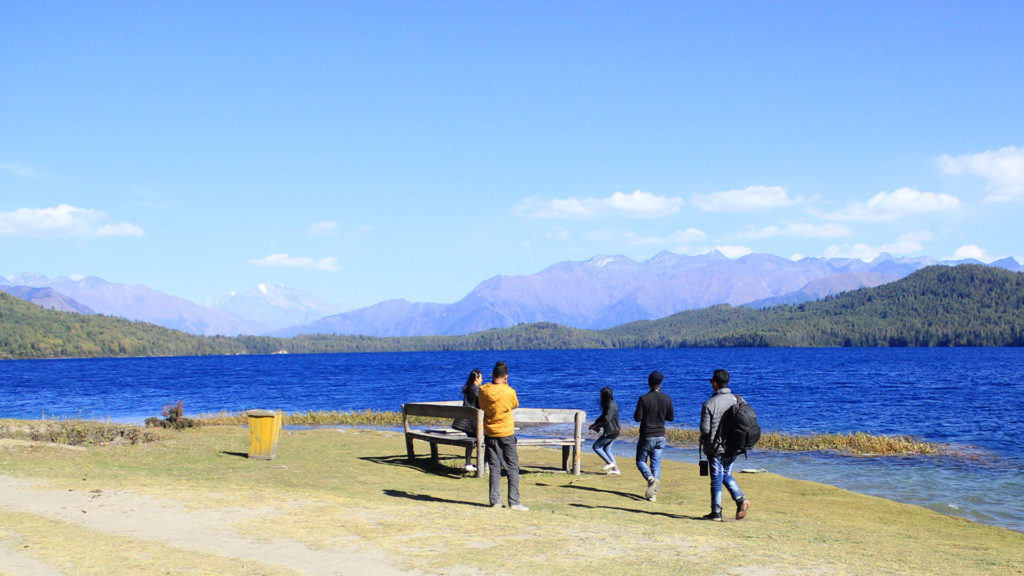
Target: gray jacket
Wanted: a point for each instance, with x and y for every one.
(710, 418)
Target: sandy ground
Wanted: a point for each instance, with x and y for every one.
(140, 516)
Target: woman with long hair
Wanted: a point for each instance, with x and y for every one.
(470, 399)
(608, 423)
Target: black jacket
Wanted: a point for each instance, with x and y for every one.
(470, 399)
(608, 421)
(652, 411)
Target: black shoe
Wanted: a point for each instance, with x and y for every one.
(741, 508)
(714, 517)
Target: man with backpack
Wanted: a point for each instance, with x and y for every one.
(713, 442)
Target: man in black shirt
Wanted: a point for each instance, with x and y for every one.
(652, 410)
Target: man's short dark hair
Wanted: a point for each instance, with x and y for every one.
(500, 370)
(721, 377)
(654, 380)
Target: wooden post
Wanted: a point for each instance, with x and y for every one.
(577, 434)
(480, 444)
(410, 453)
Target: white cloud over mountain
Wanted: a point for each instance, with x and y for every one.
(62, 221)
(1003, 169)
(329, 264)
(638, 204)
(800, 230)
(749, 199)
(887, 206)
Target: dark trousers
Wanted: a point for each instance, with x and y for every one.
(501, 455)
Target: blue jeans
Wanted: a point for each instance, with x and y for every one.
(603, 447)
(721, 473)
(650, 448)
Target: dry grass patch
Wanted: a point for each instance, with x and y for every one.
(355, 489)
(71, 549)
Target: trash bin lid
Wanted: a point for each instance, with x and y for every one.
(261, 413)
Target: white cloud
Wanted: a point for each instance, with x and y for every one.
(827, 230)
(120, 230)
(908, 243)
(733, 252)
(23, 171)
(638, 204)
(62, 221)
(688, 235)
(1003, 169)
(886, 206)
(971, 251)
(329, 264)
(750, 199)
(558, 233)
(678, 237)
(322, 228)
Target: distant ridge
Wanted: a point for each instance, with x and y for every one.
(965, 305)
(47, 298)
(142, 303)
(594, 294)
(608, 291)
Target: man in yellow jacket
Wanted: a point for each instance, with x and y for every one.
(498, 400)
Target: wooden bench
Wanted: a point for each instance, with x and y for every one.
(569, 444)
(454, 409)
(449, 436)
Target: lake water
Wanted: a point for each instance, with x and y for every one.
(970, 397)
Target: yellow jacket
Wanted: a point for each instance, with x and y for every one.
(498, 401)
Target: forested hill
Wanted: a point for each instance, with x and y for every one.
(967, 305)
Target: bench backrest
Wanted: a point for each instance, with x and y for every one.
(548, 415)
(454, 409)
(447, 409)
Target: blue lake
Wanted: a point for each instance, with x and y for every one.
(967, 397)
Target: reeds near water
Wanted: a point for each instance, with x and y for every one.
(85, 432)
(854, 444)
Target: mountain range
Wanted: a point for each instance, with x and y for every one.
(602, 292)
(608, 291)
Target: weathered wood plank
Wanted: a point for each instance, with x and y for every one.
(544, 415)
(434, 410)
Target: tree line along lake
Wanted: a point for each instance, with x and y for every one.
(971, 398)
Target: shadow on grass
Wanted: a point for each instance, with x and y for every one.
(627, 495)
(429, 498)
(635, 511)
(421, 464)
(239, 454)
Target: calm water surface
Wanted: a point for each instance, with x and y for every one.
(967, 397)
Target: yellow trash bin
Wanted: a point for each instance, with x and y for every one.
(264, 429)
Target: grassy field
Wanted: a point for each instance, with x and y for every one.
(347, 501)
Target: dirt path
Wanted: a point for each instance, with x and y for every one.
(140, 516)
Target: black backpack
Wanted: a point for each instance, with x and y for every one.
(739, 430)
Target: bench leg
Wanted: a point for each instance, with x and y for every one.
(565, 458)
(576, 460)
(433, 452)
(409, 452)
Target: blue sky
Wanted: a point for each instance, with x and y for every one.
(362, 151)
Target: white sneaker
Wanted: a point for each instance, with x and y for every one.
(519, 507)
(614, 472)
(470, 468)
(608, 467)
